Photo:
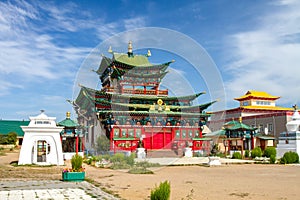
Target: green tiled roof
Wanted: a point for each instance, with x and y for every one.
(68, 123)
(135, 60)
(234, 125)
(7, 126)
(216, 133)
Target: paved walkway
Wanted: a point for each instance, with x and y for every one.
(50, 190)
(192, 161)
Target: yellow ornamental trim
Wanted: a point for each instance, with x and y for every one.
(160, 102)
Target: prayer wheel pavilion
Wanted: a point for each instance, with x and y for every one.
(131, 109)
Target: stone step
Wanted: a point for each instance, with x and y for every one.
(164, 154)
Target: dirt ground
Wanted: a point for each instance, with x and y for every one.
(247, 181)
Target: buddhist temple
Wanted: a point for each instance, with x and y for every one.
(130, 107)
(258, 109)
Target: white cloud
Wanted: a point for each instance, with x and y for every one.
(134, 23)
(30, 53)
(267, 58)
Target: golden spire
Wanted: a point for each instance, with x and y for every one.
(130, 47)
(240, 119)
(68, 114)
(148, 53)
(110, 50)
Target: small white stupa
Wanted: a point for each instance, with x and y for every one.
(290, 140)
(41, 144)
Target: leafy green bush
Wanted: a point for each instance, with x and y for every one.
(76, 162)
(269, 151)
(236, 155)
(162, 192)
(120, 161)
(10, 138)
(256, 152)
(117, 158)
(272, 159)
(289, 157)
(247, 153)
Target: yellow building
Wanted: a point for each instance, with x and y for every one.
(257, 109)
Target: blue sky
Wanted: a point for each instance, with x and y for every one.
(254, 44)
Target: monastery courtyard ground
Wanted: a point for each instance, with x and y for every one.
(229, 181)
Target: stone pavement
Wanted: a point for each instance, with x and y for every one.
(192, 161)
(50, 190)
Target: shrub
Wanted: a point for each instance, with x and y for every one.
(76, 162)
(162, 192)
(10, 138)
(256, 152)
(236, 155)
(120, 161)
(269, 151)
(140, 170)
(146, 164)
(247, 153)
(272, 159)
(289, 157)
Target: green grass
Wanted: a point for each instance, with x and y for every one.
(140, 170)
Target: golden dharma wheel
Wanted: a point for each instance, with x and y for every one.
(160, 102)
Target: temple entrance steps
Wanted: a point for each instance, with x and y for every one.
(164, 153)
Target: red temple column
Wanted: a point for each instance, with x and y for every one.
(156, 90)
(82, 144)
(77, 143)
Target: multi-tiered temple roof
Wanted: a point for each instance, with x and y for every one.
(130, 101)
(130, 87)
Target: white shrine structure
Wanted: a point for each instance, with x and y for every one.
(41, 144)
(290, 140)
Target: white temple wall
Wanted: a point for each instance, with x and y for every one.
(29, 151)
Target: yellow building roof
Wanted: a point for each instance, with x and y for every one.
(267, 108)
(256, 95)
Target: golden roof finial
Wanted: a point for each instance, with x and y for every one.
(68, 114)
(130, 47)
(240, 119)
(148, 53)
(110, 49)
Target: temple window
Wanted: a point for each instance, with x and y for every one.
(245, 103)
(42, 122)
(261, 128)
(270, 127)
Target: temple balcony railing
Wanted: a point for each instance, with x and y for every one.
(139, 91)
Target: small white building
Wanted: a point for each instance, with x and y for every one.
(290, 140)
(42, 142)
